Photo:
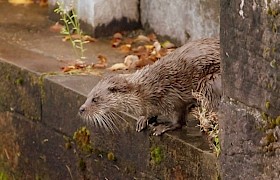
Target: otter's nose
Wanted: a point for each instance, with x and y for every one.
(82, 109)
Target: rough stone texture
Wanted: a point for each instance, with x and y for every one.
(19, 91)
(250, 50)
(180, 19)
(104, 17)
(38, 114)
(30, 150)
(46, 149)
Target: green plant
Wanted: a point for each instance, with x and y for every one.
(3, 176)
(208, 121)
(71, 23)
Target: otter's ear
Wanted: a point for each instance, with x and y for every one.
(120, 86)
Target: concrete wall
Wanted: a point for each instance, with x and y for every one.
(250, 112)
(104, 17)
(180, 19)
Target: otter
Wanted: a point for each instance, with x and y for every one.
(161, 89)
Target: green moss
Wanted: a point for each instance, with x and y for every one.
(68, 143)
(277, 121)
(264, 116)
(156, 155)
(273, 63)
(82, 139)
(273, 12)
(3, 176)
(267, 104)
(19, 81)
(111, 156)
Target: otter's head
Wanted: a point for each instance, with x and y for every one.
(112, 96)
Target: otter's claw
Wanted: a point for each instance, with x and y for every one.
(142, 123)
(161, 128)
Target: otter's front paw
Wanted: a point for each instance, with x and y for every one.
(142, 123)
(161, 128)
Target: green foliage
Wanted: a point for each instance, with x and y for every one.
(71, 23)
(82, 139)
(156, 155)
(3, 176)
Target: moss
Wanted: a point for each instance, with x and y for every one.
(156, 155)
(19, 81)
(273, 63)
(277, 121)
(272, 12)
(111, 156)
(264, 116)
(82, 139)
(68, 143)
(3, 176)
(267, 104)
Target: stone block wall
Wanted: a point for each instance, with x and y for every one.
(178, 20)
(182, 20)
(103, 17)
(250, 111)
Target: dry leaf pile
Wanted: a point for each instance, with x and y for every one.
(142, 50)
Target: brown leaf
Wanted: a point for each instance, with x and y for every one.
(117, 36)
(116, 42)
(168, 44)
(142, 38)
(102, 62)
(56, 27)
(67, 68)
(125, 48)
(130, 59)
(89, 38)
(152, 37)
(118, 66)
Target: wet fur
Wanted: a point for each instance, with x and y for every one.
(161, 89)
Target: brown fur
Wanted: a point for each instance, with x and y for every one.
(162, 89)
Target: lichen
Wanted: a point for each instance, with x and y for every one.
(19, 81)
(82, 140)
(111, 156)
(267, 104)
(156, 155)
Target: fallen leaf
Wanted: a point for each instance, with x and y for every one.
(125, 48)
(118, 66)
(168, 44)
(56, 27)
(43, 3)
(117, 36)
(149, 47)
(130, 59)
(23, 2)
(142, 38)
(89, 38)
(116, 42)
(102, 62)
(152, 37)
(157, 46)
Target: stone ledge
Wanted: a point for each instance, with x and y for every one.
(51, 111)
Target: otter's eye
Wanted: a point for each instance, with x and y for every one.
(94, 100)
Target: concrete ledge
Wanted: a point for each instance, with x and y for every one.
(38, 116)
(180, 152)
